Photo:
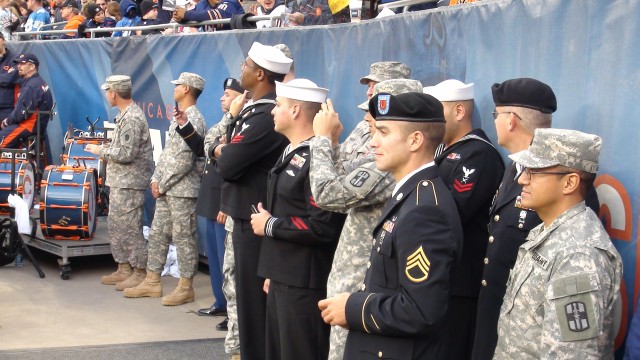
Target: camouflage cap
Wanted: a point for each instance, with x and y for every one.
(570, 148)
(190, 79)
(386, 70)
(393, 87)
(285, 50)
(117, 82)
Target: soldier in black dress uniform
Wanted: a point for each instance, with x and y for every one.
(251, 151)
(400, 311)
(299, 238)
(522, 105)
(472, 169)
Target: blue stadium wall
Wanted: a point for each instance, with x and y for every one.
(586, 50)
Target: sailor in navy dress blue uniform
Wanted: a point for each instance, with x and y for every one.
(399, 312)
(252, 149)
(472, 169)
(300, 238)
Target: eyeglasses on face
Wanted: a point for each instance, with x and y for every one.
(244, 64)
(528, 173)
(496, 114)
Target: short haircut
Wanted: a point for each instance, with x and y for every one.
(308, 108)
(272, 77)
(195, 92)
(586, 179)
(532, 119)
(125, 94)
(433, 133)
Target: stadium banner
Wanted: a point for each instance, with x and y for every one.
(586, 51)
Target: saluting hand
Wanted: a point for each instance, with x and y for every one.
(327, 123)
(259, 220)
(238, 103)
(333, 310)
(180, 116)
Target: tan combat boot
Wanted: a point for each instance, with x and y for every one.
(181, 295)
(132, 281)
(149, 287)
(123, 272)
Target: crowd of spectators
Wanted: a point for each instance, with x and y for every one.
(79, 16)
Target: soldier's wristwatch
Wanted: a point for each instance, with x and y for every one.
(228, 115)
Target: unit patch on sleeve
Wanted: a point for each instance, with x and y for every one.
(360, 178)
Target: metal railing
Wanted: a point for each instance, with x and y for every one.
(405, 4)
(41, 33)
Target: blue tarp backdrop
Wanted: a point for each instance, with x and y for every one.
(586, 51)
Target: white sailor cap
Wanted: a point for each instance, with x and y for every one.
(270, 58)
(302, 90)
(451, 90)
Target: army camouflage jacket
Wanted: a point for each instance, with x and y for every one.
(561, 293)
(361, 194)
(178, 170)
(129, 156)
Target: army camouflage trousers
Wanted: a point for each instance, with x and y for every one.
(174, 219)
(232, 341)
(125, 227)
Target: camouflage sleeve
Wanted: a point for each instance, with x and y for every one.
(125, 149)
(576, 301)
(365, 186)
(215, 132)
(181, 161)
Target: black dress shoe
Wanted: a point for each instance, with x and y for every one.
(223, 325)
(212, 311)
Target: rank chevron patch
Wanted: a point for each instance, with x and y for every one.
(460, 187)
(418, 266)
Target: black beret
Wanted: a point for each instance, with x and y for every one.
(412, 106)
(233, 84)
(525, 92)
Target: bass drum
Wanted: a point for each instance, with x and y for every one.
(24, 182)
(68, 203)
(75, 155)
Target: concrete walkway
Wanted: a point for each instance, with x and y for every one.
(51, 312)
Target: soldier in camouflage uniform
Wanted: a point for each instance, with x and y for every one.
(129, 165)
(361, 194)
(232, 340)
(175, 185)
(352, 152)
(561, 292)
(232, 103)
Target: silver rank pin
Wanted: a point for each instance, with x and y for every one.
(521, 218)
(399, 196)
